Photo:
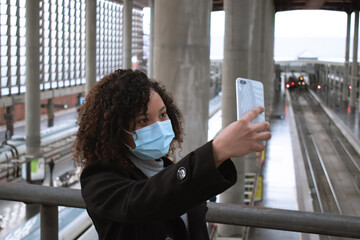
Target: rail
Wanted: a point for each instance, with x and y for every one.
(299, 221)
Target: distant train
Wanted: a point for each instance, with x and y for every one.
(295, 82)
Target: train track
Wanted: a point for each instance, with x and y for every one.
(55, 145)
(331, 163)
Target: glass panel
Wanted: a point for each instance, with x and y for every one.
(3, 9)
(5, 91)
(46, 68)
(22, 61)
(13, 72)
(22, 3)
(46, 77)
(46, 59)
(53, 60)
(53, 51)
(22, 32)
(47, 85)
(53, 34)
(53, 17)
(14, 90)
(13, 60)
(53, 8)
(13, 10)
(12, 41)
(3, 18)
(22, 70)
(22, 41)
(3, 29)
(46, 26)
(4, 71)
(13, 80)
(3, 41)
(13, 20)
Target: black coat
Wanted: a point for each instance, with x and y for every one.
(128, 205)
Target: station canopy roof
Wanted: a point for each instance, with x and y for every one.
(285, 5)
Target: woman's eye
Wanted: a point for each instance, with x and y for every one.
(163, 115)
(143, 121)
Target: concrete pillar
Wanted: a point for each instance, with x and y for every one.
(235, 64)
(248, 52)
(256, 55)
(327, 83)
(268, 58)
(181, 62)
(127, 33)
(151, 43)
(347, 66)
(49, 222)
(256, 36)
(9, 118)
(32, 95)
(90, 44)
(50, 110)
(354, 68)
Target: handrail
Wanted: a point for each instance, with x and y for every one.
(290, 220)
(38, 194)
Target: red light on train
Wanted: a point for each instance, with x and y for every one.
(292, 83)
(319, 86)
(287, 85)
(350, 87)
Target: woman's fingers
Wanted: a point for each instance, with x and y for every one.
(263, 136)
(253, 113)
(261, 127)
(241, 137)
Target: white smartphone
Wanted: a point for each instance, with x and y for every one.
(249, 94)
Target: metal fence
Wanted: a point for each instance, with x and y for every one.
(308, 222)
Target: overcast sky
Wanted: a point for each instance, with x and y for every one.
(315, 33)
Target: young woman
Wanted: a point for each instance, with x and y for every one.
(129, 129)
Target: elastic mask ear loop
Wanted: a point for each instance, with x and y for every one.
(127, 132)
(131, 134)
(132, 137)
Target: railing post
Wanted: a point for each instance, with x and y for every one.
(49, 222)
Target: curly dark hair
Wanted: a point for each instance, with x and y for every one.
(111, 106)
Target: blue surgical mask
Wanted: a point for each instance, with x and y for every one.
(152, 142)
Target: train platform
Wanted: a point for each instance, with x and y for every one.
(279, 170)
(346, 119)
(285, 185)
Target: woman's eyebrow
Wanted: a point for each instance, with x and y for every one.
(162, 109)
(140, 115)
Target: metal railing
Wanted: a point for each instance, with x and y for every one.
(299, 221)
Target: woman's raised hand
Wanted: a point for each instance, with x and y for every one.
(241, 137)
